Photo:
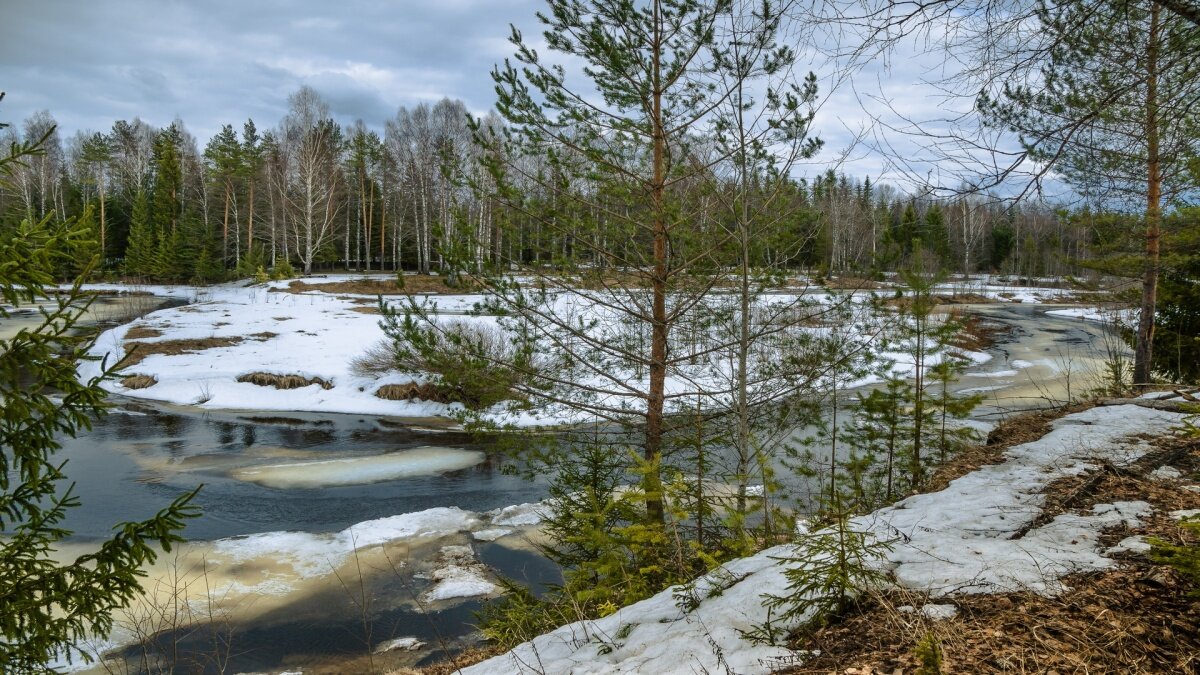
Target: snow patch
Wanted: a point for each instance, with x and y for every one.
(518, 515)
(935, 612)
(1165, 473)
(460, 576)
(408, 644)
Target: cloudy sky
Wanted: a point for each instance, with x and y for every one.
(221, 61)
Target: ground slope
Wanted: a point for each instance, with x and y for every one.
(990, 531)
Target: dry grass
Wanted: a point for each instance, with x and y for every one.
(282, 381)
(139, 381)
(468, 657)
(1135, 618)
(965, 299)
(852, 283)
(412, 391)
(413, 283)
(136, 352)
(142, 332)
(977, 334)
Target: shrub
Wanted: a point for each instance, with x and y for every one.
(478, 365)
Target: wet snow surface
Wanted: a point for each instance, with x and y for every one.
(317, 336)
(968, 538)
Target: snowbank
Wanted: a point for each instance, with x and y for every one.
(967, 538)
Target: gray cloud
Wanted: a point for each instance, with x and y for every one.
(223, 61)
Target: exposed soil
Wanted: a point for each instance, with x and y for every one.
(1136, 618)
(136, 352)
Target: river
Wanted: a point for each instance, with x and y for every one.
(141, 456)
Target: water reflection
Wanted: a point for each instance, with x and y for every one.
(139, 458)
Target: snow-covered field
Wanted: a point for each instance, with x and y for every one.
(316, 335)
(966, 538)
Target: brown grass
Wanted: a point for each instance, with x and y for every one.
(282, 381)
(264, 336)
(413, 283)
(411, 391)
(139, 381)
(136, 352)
(1136, 618)
(455, 663)
(142, 332)
(976, 334)
(851, 283)
(965, 299)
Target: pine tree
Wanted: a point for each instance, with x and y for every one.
(46, 607)
(1114, 108)
(142, 249)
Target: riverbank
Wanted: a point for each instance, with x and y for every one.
(1004, 529)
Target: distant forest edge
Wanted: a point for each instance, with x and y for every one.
(312, 194)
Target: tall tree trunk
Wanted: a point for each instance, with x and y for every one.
(103, 222)
(651, 481)
(1143, 351)
(250, 219)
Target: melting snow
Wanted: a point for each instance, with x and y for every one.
(976, 536)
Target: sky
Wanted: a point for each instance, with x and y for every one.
(215, 62)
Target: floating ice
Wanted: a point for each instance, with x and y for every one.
(315, 555)
(462, 576)
(358, 470)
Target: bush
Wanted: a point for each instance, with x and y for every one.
(478, 365)
(283, 270)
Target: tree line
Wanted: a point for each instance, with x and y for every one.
(312, 194)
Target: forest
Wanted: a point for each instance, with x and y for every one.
(312, 195)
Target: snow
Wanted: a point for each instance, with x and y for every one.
(316, 555)
(1135, 544)
(1165, 473)
(316, 334)
(931, 611)
(358, 470)
(491, 534)
(968, 538)
(459, 576)
(408, 644)
(1123, 316)
(997, 373)
(518, 515)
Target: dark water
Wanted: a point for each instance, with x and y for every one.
(140, 457)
